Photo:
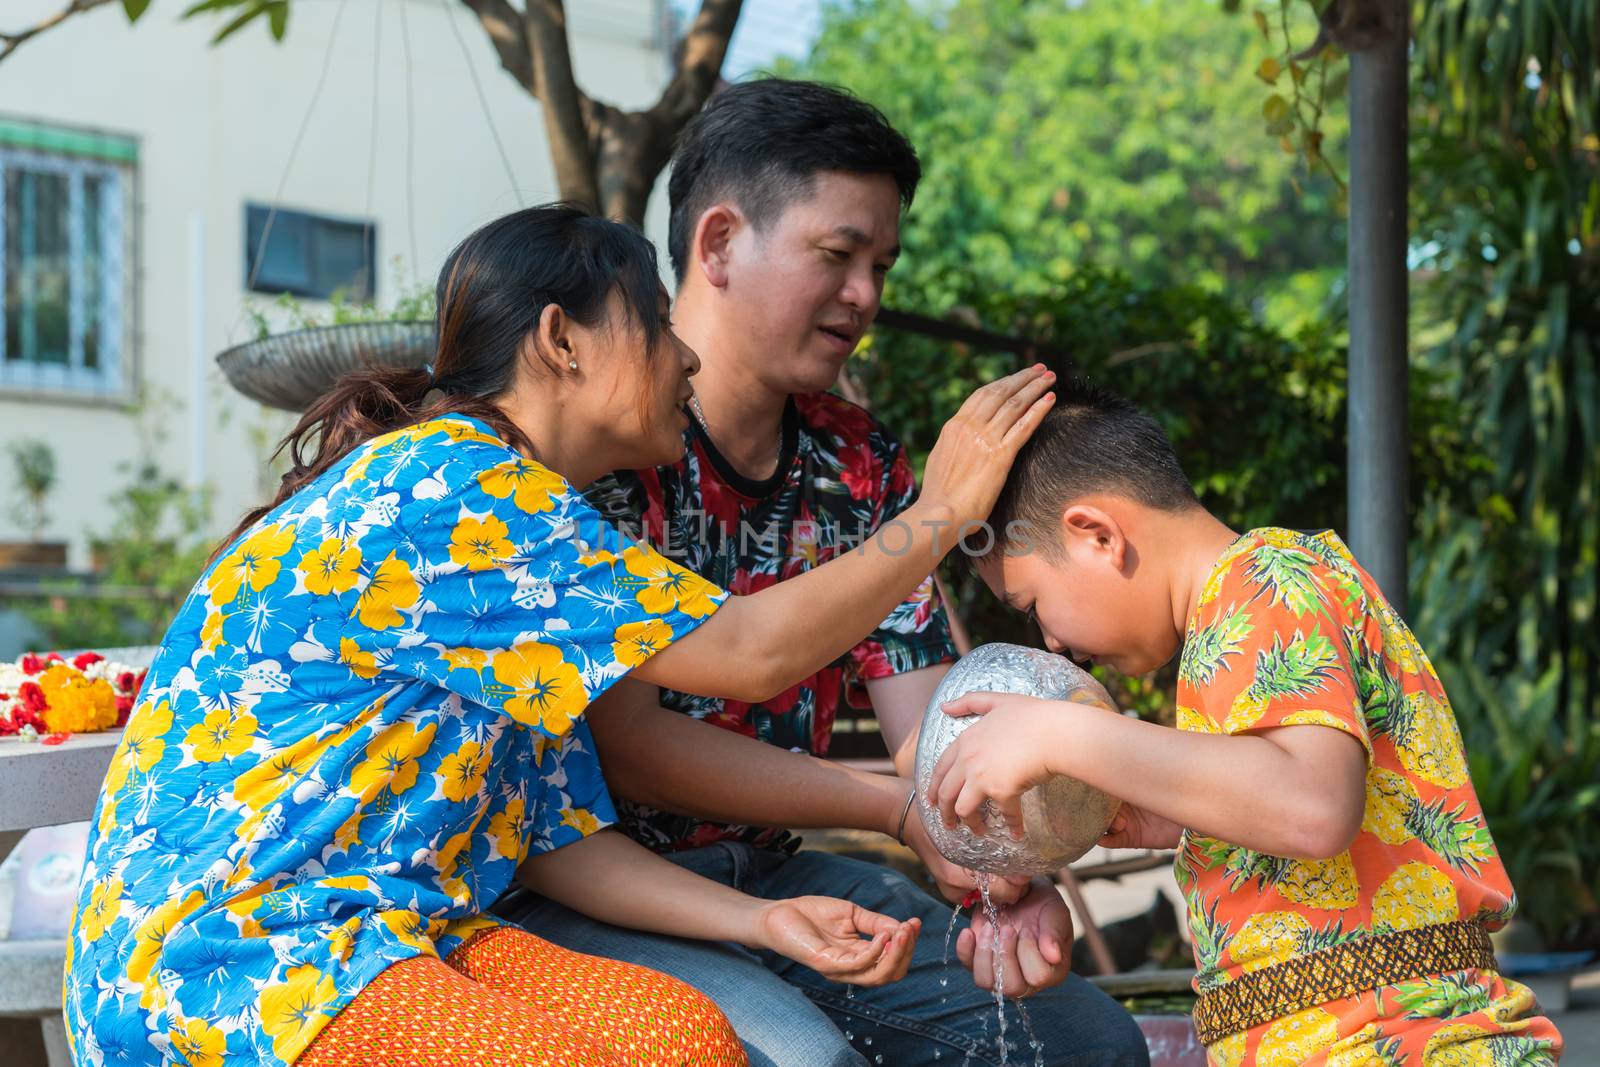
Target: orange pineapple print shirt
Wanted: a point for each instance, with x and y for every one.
(1292, 631)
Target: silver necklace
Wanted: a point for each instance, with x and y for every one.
(700, 416)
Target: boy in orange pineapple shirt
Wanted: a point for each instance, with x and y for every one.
(1340, 879)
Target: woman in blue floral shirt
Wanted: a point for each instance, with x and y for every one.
(367, 716)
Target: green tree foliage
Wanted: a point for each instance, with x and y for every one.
(1506, 208)
(1127, 134)
(1062, 140)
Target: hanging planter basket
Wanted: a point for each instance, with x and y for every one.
(292, 370)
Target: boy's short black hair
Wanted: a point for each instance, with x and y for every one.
(763, 142)
(1093, 441)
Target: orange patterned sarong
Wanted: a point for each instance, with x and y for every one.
(506, 997)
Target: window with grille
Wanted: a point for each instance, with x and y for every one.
(65, 259)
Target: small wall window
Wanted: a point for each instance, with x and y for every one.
(308, 255)
(64, 251)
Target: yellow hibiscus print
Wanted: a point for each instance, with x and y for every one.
(392, 587)
(530, 485)
(580, 819)
(198, 1044)
(105, 904)
(506, 829)
(143, 743)
(461, 773)
(223, 734)
(449, 859)
(292, 1011)
(661, 586)
(254, 562)
(458, 431)
(391, 761)
(480, 544)
(152, 935)
(243, 907)
(465, 659)
(635, 642)
(268, 780)
(362, 664)
(545, 690)
(331, 567)
(411, 929)
(342, 938)
(211, 629)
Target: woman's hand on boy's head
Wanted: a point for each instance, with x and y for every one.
(996, 760)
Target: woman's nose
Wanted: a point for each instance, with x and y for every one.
(691, 360)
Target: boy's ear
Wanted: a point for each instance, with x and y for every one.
(1094, 533)
(712, 247)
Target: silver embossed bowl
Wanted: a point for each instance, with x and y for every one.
(1063, 818)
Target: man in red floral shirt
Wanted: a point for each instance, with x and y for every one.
(786, 200)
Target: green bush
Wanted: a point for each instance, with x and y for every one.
(147, 563)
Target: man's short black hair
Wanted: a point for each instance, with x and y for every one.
(1093, 441)
(762, 143)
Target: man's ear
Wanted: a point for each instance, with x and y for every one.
(553, 343)
(712, 247)
(1095, 533)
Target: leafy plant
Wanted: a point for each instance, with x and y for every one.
(287, 312)
(34, 463)
(148, 560)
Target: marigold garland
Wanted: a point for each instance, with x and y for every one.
(49, 694)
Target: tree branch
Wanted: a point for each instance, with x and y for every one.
(503, 24)
(10, 42)
(571, 146)
(700, 58)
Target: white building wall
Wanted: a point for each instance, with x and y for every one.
(215, 128)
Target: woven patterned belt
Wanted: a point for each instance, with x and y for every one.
(1340, 971)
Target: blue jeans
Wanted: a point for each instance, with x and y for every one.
(789, 1016)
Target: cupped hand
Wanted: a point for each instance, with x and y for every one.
(1035, 944)
(839, 940)
(970, 461)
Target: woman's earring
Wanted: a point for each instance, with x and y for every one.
(572, 364)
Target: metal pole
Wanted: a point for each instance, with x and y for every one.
(1378, 450)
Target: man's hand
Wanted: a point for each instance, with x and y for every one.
(1035, 943)
(1133, 827)
(956, 882)
(838, 939)
(996, 760)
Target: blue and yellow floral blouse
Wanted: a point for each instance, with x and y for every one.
(366, 713)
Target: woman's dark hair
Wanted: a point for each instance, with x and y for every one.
(764, 142)
(491, 291)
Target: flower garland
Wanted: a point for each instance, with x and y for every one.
(52, 696)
